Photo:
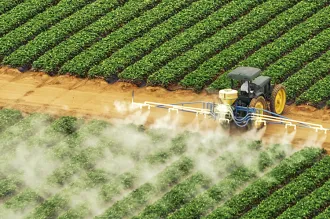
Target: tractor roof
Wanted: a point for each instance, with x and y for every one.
(244, 73)
(261, 81)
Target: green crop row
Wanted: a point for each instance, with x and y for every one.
(201, 204)
(26, 54)
(52, 60)
(134, 51)
(22, 13)
(310, 205)
(227, 187)
(81, 211)
(9, 117)
(141, 196)
(324, 215)
(320, 91)
(287, 170)
(179, 195)
(8, 186)
(228, 57)
(38, 24)
(307, 76)
(132, 30)
(49, 208)
(288, 195)
(8, 5)
(189, 61)
(140, 70)
(275, 50)
(22, 200)
(25, 128)
(295, 60)
(127, 179)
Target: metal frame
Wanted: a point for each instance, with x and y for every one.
(207, 108)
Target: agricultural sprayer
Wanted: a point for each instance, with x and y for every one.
(247, 107)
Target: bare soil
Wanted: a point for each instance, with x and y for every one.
(68, 95)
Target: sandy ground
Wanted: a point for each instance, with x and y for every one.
(67, 95)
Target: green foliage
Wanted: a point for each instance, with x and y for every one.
(151, 62)
(292, 192)
(273, 51)
(311, 205)
(132, 30)
(324, 215)
(53, 59)
(20, 201)
(287, 170)
(49, 208)
(8, 5)
(22, 34)
(22, 13)
(9, 117)
(134, 51)
(29, 52)
(65, 125)
(189, 61)
(320, 91)
(228, 57)
(7, 187)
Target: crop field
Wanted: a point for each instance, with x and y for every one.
(69, 167)
(190, 44)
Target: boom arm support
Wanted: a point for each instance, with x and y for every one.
(208, 108)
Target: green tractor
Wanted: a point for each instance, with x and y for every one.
(257, 90)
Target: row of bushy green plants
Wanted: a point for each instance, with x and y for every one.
(228, 57)
(53, 59)
(41, 22)
(287, 42)
(114, 41)
(176, 69)
(26, 54)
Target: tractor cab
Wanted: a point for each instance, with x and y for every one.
(252, 85)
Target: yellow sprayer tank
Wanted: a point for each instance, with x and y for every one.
(228, 96)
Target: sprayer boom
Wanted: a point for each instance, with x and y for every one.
(227, 113)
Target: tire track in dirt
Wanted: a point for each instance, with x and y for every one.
(67, 95)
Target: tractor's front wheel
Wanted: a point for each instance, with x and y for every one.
(260, 104)
(278, 99)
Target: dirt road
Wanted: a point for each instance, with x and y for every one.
(67, 95)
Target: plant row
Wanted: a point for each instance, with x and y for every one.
(132, 30)
(150, 63)
(9, 117)
(273, 51)
(8, 5)
(22, 13)
(295, 60)
(41, 22)
(290, 194)
(189, 61)
(324, 215)
(287, 170)
(23, 200)
(127, 180)
(141, 196)
(311, 205)
(25, 128)
(201, 204)
(46, 40)
(226, 187)
(134, 51)
(307, 76)
(320, 91)
(177, 196)
(53, 59)
(228, 57)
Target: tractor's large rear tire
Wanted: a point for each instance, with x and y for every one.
(258, 103)
(278, 99)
